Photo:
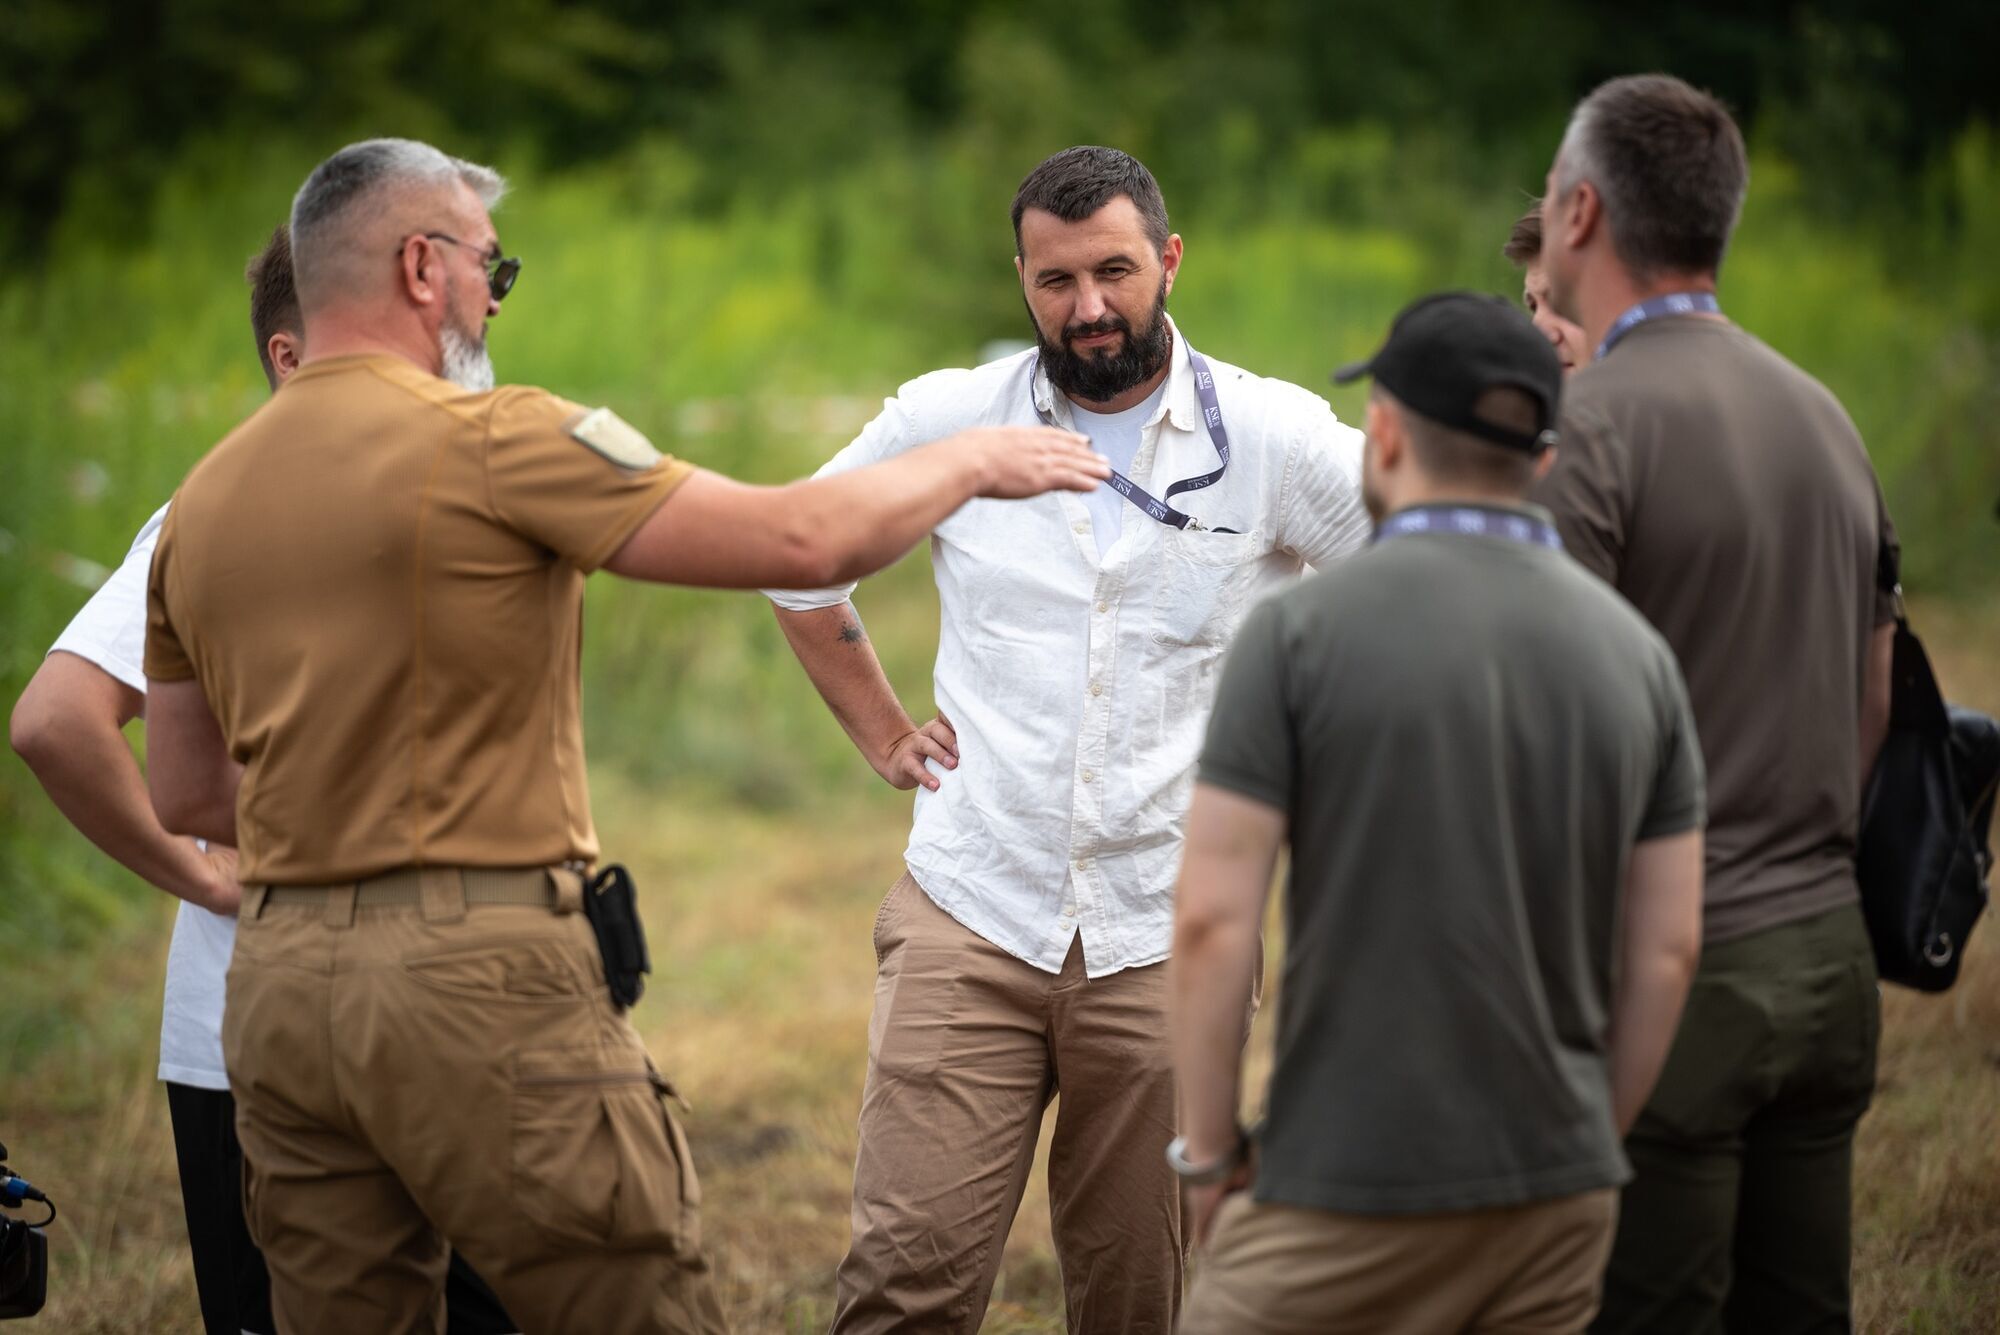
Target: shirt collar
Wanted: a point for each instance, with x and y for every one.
(1180, 402)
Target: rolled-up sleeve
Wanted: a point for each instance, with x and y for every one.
(893, 431)
(1321, 516)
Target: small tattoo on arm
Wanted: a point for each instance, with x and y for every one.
(851, 632)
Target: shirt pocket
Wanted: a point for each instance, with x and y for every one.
(1205, 577)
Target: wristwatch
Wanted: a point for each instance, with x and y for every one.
(1203, 1175)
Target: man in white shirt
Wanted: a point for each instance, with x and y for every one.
(1022, 955)
(67, 726)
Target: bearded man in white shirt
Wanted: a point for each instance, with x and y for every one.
(1023, 953)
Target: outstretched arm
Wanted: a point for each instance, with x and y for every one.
(67, 726)
(718, 533)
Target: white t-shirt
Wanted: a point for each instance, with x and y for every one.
(1116, 437)
(110, 632)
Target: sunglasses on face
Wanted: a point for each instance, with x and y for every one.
(501, 271)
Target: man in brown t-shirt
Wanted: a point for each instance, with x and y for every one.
(363, 625)
(1725, 493)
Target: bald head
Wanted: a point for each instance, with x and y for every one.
(361, 203)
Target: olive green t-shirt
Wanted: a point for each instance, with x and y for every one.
(1726, 494)
(1467, 735)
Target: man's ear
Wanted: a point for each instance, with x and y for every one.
(420, 272)
(1170, 259)
(284, 350)
(1384, 426)
(1544, 462)
(1584, 213)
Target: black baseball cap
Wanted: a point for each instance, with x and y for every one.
(1444, 351)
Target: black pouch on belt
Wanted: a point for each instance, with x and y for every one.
(613, 909)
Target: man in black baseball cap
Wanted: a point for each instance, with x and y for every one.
(1454, 380)
(1485, 766)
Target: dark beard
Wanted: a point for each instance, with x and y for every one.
(1100, 377)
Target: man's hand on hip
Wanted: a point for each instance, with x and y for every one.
(904, 765)
(224, 893)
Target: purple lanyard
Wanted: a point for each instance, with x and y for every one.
(1654, 308)
(1470, 520)
(1211, 413)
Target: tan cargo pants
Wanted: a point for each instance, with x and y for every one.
(1282, 1270)
(966, 1049)
(404, 1075)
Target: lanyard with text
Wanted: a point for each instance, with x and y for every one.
(1211, 413)
(1471, 520)
(1674, 303)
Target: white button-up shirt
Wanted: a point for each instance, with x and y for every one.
(1080, 687)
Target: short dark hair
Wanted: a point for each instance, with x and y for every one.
(274, 296)
(1447, 454)
(1669, 164)
(1524, 243)
(1077, 182)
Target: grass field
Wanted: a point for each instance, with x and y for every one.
(759, 1008)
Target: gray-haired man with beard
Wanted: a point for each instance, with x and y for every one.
(361, 656)
(1022, 954)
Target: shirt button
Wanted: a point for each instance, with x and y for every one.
(1104, 607)
(1081, 526)
(1069, 910)
(1096, 688)
(1088, 776)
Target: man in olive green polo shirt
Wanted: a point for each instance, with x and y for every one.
(363, 625)
(1483, 762)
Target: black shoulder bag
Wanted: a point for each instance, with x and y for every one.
(1925, 819)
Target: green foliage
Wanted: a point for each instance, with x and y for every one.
(747, 286)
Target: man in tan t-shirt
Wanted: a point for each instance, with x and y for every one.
(362, 647)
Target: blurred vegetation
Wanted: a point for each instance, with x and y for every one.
(744, 227)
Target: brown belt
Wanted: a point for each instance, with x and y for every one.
(403, 887)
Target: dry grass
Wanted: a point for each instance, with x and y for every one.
(759, 1008)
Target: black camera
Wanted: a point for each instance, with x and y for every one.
(24, 1250)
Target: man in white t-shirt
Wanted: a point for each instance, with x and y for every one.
(1023, 953)
(68, 727)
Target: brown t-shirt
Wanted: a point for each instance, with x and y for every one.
(378, 581)
(1726, 494)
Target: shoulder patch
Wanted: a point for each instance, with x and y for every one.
(613, 437)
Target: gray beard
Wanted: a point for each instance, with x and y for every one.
(466, 362)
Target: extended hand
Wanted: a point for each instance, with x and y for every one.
(1023, 461)
(904, 765)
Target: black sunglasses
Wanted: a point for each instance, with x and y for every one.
(500, 271)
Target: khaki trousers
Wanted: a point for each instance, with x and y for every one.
(1282, 1270)
(966, 1048)
(404, 1075)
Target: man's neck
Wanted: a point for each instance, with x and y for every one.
(339, 334)
(1454, 493)
(1618, 291)
(1134, 396)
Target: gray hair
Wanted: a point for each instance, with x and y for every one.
(354, 186)
(1669, 164)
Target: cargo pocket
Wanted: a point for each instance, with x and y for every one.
(599, 1158)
